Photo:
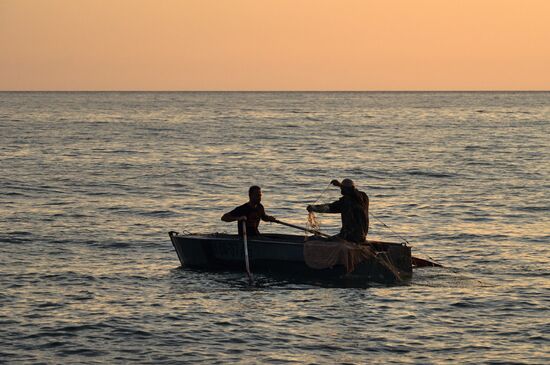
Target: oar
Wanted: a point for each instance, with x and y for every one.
(303, 228)
(250, 278)
(418, 262)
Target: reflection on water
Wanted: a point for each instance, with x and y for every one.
(92, 183)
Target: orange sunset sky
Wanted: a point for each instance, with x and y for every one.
(275, 45)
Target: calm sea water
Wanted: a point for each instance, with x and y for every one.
(91, 183)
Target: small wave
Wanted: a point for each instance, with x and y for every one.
(478, 163)
(383, 188)
(48, 333)
(465, 305)
(83, 327)
(117, 245)
(125, 151)
(57, 203)
(158, 213)
(313, 119)
(474, 148)
(21, 233)
(223, 323)
(13, 193)
(176, 185)
(234, 340)
(82, 297)
(534, 208)
(130, 332)
(517, 112)
(98, 193)
(478, 219)
(463, 236)
(70, 276)
(429, 174)
(51, 345)
(50, 305)
(82, 352)
(15, 240)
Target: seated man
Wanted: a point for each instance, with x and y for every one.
(251, 212)
(354, 208)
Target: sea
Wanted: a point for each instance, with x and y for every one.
(92, 182)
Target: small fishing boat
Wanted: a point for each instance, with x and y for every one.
(283, 254)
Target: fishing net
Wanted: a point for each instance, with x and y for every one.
(312, 222)
(320, 254)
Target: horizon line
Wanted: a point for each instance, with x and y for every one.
(285, 91)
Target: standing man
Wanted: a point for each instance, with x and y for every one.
(354, 208)
(251, 212)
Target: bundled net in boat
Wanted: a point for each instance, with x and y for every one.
(321, 254)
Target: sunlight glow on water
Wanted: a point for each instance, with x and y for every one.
(92, 182)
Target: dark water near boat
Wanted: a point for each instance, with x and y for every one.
(91, 183)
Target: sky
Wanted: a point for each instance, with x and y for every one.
(252, 45)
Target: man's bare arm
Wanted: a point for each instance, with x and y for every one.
(227, 217)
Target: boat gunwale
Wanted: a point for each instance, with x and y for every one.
(233, 238)
(237, 239)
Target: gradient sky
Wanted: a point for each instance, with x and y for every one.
(275, 45)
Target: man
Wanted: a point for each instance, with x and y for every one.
(354, 208)
(251, 212)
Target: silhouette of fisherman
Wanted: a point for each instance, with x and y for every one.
(354, 208)
(251, 212)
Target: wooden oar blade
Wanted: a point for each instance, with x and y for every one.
(418, 262)
(246, 260)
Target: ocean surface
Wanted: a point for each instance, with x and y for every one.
(90, 184)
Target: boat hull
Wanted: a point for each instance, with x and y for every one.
(280, 254)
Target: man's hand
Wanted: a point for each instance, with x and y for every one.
(271, 218)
